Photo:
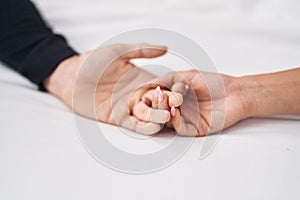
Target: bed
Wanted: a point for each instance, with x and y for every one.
(42, 156)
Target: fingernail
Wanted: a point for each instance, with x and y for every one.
(157, 89)
(156, 93)
(173, 112)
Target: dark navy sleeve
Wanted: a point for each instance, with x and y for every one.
(27, 44)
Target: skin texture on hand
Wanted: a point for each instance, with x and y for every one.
(104, 85)
(248, 96)
(274, 93)
(159, 101)
(212, 103)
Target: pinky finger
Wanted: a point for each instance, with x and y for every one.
(183, 128)
(145, 128)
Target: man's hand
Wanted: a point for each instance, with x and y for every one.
(104, 85)
(212, 103)
(217, 101)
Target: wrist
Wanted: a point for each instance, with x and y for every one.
(249, 89)
(61, 82)
(237, 93)
(261, 94)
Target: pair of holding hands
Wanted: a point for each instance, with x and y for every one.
(104, 85)
(160, 106)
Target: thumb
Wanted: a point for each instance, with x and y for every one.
(168, 80)
(142, 50)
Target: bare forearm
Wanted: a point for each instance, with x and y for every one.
(275, 93)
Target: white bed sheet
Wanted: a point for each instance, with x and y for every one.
(41, 154)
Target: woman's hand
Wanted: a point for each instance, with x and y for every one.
(104, 85)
